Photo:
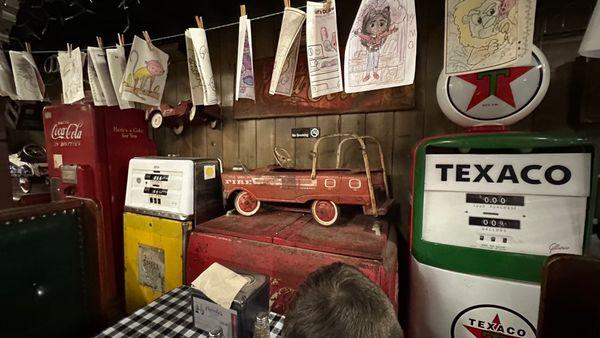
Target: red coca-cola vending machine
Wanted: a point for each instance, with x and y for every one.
(89, 149)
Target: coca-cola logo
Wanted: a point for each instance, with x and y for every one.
(66, 131)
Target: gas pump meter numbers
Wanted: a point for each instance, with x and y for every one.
(495, 222)
(156, 177)
(496, 199)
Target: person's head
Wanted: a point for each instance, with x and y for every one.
(339, 301)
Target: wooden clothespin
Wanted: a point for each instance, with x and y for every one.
(286, 3)
(28, 47)
(327, 7)
(148, 40)
(100, 44)
(199, 22)
(121, 39)
(242, 10)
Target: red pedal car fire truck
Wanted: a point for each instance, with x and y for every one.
(325, 189)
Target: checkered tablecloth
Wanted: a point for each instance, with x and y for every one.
(170, 316)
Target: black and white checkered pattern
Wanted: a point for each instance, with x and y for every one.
(170, 316)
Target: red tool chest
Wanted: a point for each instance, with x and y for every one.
(89, 149)
(288, 246)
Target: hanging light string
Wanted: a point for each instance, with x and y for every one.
(180, 34)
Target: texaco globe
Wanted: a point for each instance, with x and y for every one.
(494, 97)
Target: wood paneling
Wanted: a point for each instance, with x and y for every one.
(352, 124)
(283, 134)
(225, 49)
(304, 145)
(265, 142)
(247, 142)
(183, 93)
(329, 124)
(170, 97)
(382, 125)
(214, 137)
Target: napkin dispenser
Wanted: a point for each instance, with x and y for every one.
(237, 321)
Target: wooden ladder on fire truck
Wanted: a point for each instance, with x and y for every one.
(363, 148)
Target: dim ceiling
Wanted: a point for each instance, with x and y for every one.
(49, 24)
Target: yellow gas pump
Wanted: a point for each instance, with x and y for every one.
(166, 197)
(154, 260)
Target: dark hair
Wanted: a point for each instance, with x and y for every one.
(339, 301)
(372, 14)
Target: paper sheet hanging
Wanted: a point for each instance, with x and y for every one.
(7, 82)
(204, 66)
(100, 65)
(196, 86)
(145, 74)
(28, 81)
(382, 46)
(322, 49)
(487, 34)
(590, 46)
(97, 93)
(116, 66)
(71, 75)
(244, 80)
(286, 57)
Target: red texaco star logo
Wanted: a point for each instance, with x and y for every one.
(494, 82)
(493, 330)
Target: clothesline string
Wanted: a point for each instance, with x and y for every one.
(180, 34)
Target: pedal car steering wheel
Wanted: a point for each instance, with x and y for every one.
(33, 153)
(283, 157)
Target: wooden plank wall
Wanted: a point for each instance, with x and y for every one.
(252, 141)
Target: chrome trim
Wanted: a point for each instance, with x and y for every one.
(162, 214)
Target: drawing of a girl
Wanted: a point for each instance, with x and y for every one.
(376, 27)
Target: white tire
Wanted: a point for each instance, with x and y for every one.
(156, 120)
(325, 212)
(245, 204)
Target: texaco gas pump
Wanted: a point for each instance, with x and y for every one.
(490, 207)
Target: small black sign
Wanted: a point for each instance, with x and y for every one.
(312, 132)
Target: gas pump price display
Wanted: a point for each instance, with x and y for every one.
(495, 222)
(156, 177)
(507, 202)
(518, 201)
(160, 185)
(155, 191)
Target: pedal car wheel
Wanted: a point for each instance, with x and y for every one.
(325, 212)
(156, 119)
(192, 113)
(178, 127)
(246, 204)
(25, 185)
